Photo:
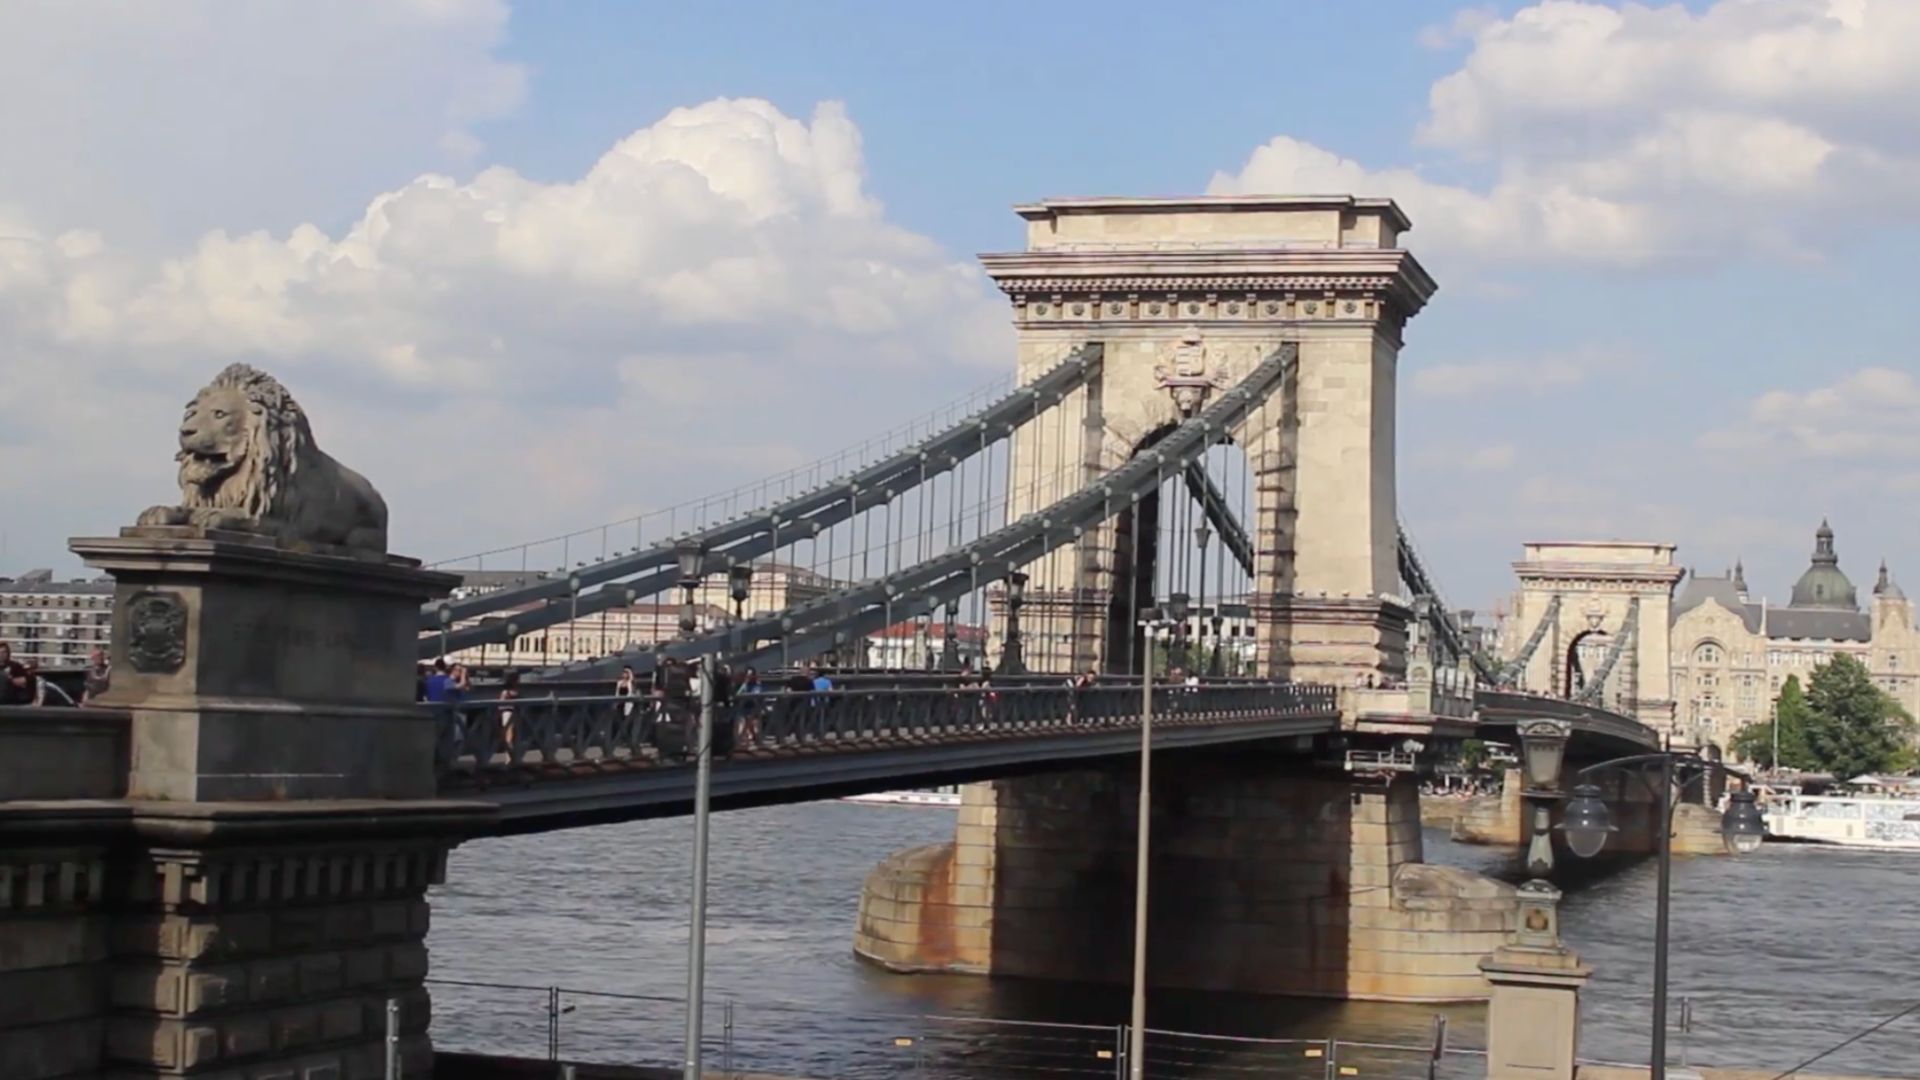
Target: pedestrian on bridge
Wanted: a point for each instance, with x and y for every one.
(509, 691)
(16, 680)
(435, 690)
(750, 707)
(1076, 686)
(99, 677)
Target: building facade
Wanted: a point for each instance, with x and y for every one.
(53, 625)
(1733, 652)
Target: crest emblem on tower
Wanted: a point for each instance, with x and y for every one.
(1189, 376)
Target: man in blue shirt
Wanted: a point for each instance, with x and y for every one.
(437, 683)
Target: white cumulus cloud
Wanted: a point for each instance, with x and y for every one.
(1870, 416)
(1633, 134)
(155, 122)
(504, 355)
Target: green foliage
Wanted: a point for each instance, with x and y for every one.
(1853, 726)
(1473, 754)
(1755, 741)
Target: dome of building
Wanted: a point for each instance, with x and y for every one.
(1824, 585)
(1887, 588)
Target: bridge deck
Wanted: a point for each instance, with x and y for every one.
(559, 763)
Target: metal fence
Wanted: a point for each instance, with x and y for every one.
(480, 737)
(589, 1027)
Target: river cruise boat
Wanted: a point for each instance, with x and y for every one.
(1868, 821)
(948, 795)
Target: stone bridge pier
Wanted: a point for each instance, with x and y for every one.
(1269, 875)
(1512, 818)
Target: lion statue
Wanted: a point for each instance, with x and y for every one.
(248, 463)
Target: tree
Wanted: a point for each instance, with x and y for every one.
(1852, 726)
(1755, 741)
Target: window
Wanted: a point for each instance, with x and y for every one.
(1707, 653)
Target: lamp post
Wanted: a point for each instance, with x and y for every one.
(739, 586)
(1179, 608)
(692, 560)
(446, 622)
(573, 614)
(1201, 535)
(1586, 826)
(1155, 621)
(697, 928)
(1011, 662)
(950, 644)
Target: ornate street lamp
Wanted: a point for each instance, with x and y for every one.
(1179, 610)
(1587, 829)
(950, 644)
(692, 559)
(1201, 535)
(739, 586)
(446, 623)
(1543, 748)
(1011, 661)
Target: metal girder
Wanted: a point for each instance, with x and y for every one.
(1498, 712)
(1232, 533)
(1629, 629)
(848, 614)
(758, 533)
(1439, 616)
(1512, 669)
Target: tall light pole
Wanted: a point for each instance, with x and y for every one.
(1586, 828)
(692, 560)
(1202, 534)
(1176, 613)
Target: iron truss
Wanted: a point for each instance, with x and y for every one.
(1440, 617)
(1508, 674)
(759, 533)
(847, 614)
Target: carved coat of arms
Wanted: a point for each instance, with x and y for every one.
(1188, 376)
(156, 632)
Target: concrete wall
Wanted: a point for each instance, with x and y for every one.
(1264, 880)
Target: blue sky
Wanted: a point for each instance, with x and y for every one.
(1670, 242)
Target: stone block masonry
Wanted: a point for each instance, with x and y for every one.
(1266, 878)
(230, 941)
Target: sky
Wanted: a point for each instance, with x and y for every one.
(534, 267)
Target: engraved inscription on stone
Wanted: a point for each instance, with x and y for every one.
(156, 632)
(288, 637)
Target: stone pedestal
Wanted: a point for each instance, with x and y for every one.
(256, 672)
(1533, 1010)
(256, 899)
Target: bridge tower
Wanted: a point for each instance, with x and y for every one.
(1578, 598)
(1186, 296)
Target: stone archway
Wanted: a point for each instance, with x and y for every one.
(1597, 584)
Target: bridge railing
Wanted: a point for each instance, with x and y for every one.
(488, 737)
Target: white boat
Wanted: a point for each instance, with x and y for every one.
(1867, 821)
(940, 796)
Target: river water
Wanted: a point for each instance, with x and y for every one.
(1781, 954)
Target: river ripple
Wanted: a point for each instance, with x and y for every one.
(1782, 953)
